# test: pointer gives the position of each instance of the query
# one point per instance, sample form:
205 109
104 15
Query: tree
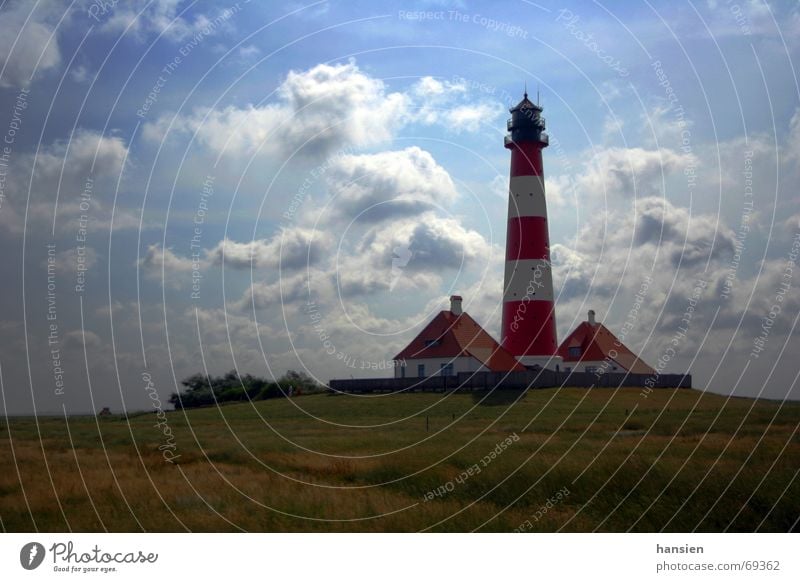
230 387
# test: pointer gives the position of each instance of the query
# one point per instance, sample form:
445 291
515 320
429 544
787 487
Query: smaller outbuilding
453 342
592 348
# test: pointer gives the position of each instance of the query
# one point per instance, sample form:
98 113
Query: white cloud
79 74
292 248
89 163
499 187
158 262
629 172
389 184
286 292
612 127
657 238
76 339
325 108
27 49
665 247
443 243
67 261
471 117
428 87
445 102
328 108
167 17
661 126
409 254
87 154
792 148
559 190
249 51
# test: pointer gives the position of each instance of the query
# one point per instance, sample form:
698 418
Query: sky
262 186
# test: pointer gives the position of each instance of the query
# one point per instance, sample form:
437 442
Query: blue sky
351 153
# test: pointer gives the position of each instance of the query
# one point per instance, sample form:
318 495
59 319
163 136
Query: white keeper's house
453 342
591 347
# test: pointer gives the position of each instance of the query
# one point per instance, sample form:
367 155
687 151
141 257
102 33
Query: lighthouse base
544 362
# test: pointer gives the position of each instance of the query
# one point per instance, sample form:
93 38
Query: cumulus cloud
470 117
446 102
428 87
158 261
560 191
629 172
389 211
661 126
87 154
286 291
389 184
694 239
89 163
792 149
324 109
653 255
611 177
28 45
656 238
79 74
339 104
442 243
163 17
410 254
76 339
67 261
289 250
292 248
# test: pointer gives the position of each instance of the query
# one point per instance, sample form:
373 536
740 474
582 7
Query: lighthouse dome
525 104
526 123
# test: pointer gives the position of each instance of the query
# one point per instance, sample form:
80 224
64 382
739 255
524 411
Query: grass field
678 460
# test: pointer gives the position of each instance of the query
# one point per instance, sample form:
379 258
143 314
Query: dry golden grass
684 460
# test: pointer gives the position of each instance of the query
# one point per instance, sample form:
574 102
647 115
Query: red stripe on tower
529 322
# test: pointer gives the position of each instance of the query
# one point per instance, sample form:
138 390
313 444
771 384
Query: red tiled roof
596 343
459 335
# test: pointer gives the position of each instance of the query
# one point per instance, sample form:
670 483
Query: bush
206 391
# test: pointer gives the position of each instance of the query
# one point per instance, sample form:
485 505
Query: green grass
678 460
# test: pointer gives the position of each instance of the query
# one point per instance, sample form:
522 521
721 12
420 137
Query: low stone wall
512 380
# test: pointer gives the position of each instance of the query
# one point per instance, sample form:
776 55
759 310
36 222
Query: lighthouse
529 322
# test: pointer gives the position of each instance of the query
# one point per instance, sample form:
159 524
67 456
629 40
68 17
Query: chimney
591 317
455 304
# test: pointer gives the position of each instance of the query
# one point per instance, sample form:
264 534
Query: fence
469 381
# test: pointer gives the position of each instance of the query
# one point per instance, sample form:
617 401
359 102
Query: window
575 352
591 369
402 371
446 369
431 342
421 370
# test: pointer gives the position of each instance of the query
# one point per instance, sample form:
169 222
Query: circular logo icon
31 555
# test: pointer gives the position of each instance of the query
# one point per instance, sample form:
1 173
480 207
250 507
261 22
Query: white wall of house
602 366
434 365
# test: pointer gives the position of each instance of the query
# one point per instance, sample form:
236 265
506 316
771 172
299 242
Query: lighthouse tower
529 322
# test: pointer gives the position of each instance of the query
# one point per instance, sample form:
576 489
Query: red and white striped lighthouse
529 322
